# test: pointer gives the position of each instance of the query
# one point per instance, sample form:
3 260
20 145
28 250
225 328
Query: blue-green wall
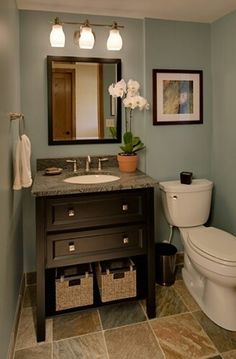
224 122
11 257
174 148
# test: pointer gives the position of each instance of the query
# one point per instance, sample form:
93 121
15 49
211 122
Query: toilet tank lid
215 242
195 186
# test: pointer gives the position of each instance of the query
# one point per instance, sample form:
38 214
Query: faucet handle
100 160
74 164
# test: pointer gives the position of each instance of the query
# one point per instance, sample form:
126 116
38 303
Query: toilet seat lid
214 242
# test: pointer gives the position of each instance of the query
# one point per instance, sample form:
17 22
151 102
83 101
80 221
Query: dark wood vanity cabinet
90 227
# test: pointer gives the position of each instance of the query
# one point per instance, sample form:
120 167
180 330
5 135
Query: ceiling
182 10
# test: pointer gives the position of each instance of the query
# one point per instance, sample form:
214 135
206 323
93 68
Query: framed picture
177 97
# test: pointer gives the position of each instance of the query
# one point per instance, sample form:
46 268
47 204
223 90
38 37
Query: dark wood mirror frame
70 59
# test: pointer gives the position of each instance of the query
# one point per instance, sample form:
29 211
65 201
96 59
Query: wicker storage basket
116 279
74 287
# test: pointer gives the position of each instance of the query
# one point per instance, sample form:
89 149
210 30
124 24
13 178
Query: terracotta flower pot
127 163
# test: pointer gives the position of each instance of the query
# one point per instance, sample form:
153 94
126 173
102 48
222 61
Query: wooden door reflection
63 103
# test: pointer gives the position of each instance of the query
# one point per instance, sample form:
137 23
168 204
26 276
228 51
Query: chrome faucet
74 164
88 161
100 160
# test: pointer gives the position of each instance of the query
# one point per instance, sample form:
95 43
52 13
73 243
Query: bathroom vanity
88 223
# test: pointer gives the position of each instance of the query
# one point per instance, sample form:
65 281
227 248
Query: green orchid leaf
131 144
139 147
136 140
127 148
128 137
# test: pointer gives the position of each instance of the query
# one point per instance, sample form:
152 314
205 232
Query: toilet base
216 301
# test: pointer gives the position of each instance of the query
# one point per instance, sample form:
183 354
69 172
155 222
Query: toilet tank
186 205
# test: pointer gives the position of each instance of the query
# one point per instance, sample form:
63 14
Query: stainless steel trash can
165 263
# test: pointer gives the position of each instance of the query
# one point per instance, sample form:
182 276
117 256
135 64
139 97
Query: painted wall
224 122
175 148
11 256
34 50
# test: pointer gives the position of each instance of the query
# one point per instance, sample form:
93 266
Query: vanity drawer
90 246
95 210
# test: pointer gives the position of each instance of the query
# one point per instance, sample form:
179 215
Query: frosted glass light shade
114 41
86 40
57 36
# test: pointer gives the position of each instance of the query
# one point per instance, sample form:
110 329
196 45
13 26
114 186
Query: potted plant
129 92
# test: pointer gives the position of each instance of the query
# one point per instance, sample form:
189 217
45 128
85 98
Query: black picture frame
177 97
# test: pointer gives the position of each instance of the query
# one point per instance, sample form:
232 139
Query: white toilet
209 253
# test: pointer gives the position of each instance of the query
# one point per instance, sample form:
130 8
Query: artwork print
177 97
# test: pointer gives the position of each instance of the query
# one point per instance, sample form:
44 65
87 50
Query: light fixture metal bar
89 23
85 36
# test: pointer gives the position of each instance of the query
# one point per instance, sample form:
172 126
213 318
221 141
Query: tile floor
122 331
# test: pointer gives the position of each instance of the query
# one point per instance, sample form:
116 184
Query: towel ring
18 116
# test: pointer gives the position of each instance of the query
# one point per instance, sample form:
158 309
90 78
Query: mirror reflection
80 108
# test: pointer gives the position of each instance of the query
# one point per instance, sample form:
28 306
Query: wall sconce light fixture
57 36
84 37
114 41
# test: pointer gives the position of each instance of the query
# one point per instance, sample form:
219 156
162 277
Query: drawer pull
71 213
125 240
71 247
125 207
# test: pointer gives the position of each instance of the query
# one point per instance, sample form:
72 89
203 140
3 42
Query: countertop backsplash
43 163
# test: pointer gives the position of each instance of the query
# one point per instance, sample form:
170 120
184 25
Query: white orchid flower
118 89
136 101
142 103
133 87
111 90
130 101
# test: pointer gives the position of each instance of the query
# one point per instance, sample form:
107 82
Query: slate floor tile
75 324
91 346
40 351
133 342
182 337
117 315
223 339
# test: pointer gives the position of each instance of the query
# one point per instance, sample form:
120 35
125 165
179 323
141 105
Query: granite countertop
45 185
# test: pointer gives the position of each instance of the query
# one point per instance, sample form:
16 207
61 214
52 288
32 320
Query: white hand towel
22 164
26 179
17 181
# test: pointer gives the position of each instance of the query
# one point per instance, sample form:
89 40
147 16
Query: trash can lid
165 249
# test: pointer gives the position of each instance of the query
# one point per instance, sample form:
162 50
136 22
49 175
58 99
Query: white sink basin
91 179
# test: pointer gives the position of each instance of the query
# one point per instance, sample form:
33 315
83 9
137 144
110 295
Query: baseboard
17 318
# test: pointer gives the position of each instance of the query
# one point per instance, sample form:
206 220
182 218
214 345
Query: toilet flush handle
175 197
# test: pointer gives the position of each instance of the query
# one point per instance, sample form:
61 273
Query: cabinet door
90 246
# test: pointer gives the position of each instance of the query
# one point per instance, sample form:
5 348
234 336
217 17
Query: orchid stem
126 119
130 118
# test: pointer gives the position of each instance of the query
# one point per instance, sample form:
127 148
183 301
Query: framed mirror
80 109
